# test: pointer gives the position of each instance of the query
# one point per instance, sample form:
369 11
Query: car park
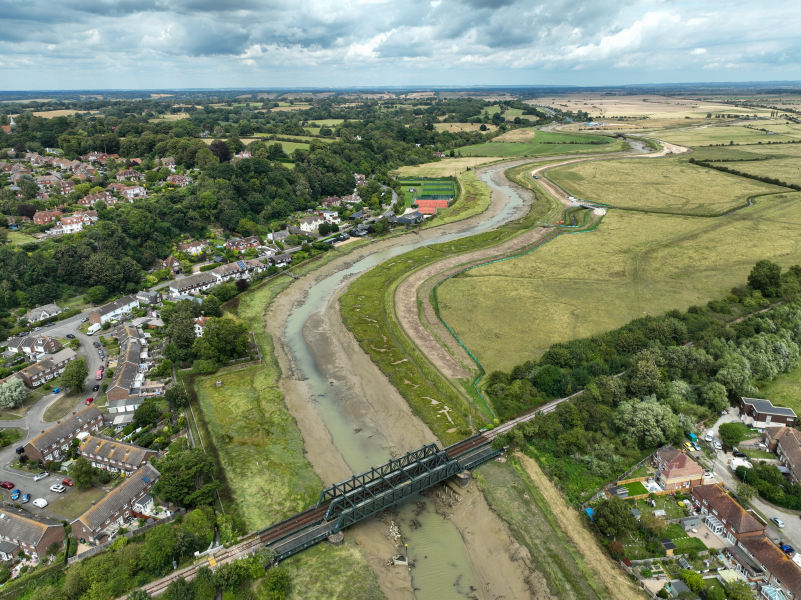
777 522
40 503
739 455
58 488
41 476
15 495
68 482
25 499
6 485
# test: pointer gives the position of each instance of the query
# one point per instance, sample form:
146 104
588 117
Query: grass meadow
724 134
543 143
785 390
665 185
787 170
633 264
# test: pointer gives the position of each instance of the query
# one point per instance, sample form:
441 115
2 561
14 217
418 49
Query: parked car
68 482
20 450
58 488
70 336
708 475
25 499
739 455
15 495
40 503
41 476
718 445
85 319
697 446
708 437
689 446
787 549
96 344
778 522
6 485
89 401
95 387
56 390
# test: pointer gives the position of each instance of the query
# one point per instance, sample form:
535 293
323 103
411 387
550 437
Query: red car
68 482
6 484
89 400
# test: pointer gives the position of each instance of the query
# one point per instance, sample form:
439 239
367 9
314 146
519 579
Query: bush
104 477
206 367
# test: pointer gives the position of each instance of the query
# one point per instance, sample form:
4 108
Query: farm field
633 264
446 167
724 134
787 170
544 143
298 138
51 114
457 127
777 150
665 185
289 147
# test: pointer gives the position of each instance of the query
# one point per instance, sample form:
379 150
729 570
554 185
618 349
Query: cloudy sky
104 44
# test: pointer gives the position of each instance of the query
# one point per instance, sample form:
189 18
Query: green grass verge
785 390
512 494
76 502
635 488
758 454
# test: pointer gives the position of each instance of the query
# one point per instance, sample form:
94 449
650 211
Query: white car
58 488
40 503
708 437
718 446
778 522
708 476
41 476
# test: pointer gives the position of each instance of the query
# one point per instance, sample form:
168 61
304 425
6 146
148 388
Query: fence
140 530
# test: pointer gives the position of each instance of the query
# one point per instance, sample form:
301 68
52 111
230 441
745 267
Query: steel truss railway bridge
365 494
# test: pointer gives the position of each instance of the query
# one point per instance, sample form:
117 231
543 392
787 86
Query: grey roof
66 429
146 499
23 526
117 304
109 449
193 280
125 376
96 516
668 544
679 586
766 406
63 354
8 547
36 313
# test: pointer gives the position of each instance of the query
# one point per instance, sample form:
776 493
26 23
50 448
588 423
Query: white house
42 312
200 323
113 310
310 224
331 217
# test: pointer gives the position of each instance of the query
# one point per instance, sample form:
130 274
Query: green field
725 134
632 264
787 170
17 237
474 200
289 147
785 390
666 185
545 143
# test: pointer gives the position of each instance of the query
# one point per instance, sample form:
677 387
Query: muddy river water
442 568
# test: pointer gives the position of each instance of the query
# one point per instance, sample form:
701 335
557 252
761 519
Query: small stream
442 569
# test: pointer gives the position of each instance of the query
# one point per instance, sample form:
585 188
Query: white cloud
699 51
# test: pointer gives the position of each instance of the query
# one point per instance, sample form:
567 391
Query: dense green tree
222 340
147 413
82 473
187 478
160 549
211 306
176 397
613 517
12 393
182 328
739 590
693 580
74 376
766 277
277 583
731 433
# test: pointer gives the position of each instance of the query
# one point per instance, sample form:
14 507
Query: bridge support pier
337 539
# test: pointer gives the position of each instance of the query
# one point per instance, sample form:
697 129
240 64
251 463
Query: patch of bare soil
611 576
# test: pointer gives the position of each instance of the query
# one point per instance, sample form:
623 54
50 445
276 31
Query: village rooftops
17 524
116 305
112 450
713 497
66 428
777 562
96 516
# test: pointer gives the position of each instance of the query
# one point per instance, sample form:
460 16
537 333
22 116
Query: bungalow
111 455
278 236
43 312
47 369
116 507
45 217
192 284
676 470
759 413
49 445
193 248
200 323
785 442
20 531
179 180
242 244
113 310
171 263
724 516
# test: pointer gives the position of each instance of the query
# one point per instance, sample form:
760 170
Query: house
129 387
20 531
352 199
759 413
113 310
242 244
75 222
38 346
45 217
116 507
179 180
111 455
243 154
144 504
193 248
129 174
106 197
168 161
150 297
280 260
330 202
785 442
43 312
241 269
360 179
49 445
310 224
171 263
192 284
278 236
410 218
779 570
331 217
47 369
676 470
359 214
200 323
134 191
439 155
724 516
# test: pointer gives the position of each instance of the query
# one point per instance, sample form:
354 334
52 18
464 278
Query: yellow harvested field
725 134
51 114
668 185
652 106
459 127
516 135
446 167
633 264
293 107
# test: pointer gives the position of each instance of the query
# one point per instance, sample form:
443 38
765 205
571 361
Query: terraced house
51 443
130 387
785 442
111 455
724 516
105 517
113 310
46 369
20 531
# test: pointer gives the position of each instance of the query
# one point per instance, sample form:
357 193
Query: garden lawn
758 454
75 502
640 472
635 488
667 503
684 543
